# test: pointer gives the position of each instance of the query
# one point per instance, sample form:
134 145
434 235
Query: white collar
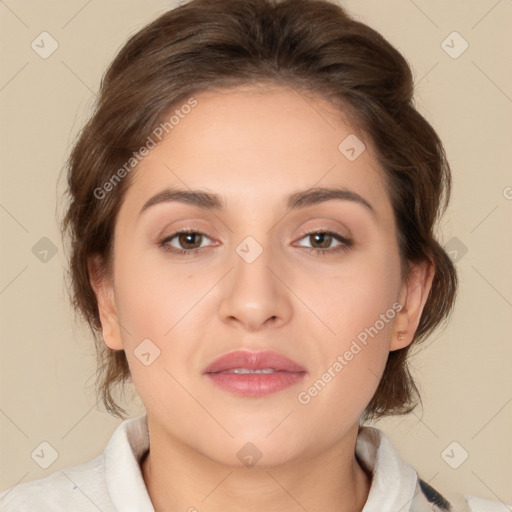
123 476
393 488
394 482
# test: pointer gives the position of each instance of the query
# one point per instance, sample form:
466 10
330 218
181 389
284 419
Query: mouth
254 373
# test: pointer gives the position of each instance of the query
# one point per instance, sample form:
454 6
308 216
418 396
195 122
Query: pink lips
285 372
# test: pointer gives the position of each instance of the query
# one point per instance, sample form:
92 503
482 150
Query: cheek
152 302
356 295
358 306
158 338
153 298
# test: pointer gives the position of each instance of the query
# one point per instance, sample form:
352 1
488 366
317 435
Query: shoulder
78 488
476 504
428 499
397 486
110 482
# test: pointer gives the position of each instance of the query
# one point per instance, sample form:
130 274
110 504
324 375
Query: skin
254 146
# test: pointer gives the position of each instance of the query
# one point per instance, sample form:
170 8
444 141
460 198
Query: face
313 278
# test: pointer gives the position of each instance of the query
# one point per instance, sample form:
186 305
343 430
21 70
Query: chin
254 455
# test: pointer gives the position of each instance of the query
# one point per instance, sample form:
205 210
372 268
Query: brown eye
185 242
189 240
321 242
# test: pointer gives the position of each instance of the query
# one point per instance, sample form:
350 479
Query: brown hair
310 45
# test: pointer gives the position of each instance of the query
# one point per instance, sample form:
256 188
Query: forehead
256 142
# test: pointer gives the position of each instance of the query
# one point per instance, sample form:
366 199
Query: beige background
47 361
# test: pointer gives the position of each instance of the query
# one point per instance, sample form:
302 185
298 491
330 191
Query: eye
322 240
190 242
189 239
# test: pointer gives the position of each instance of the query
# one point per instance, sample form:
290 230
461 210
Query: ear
413 296
104 290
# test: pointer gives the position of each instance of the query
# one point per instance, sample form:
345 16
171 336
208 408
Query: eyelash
345 245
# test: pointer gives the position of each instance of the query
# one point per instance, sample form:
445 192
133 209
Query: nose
255 295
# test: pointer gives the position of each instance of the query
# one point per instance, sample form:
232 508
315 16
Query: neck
180 479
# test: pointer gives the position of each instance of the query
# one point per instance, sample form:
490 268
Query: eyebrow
301 199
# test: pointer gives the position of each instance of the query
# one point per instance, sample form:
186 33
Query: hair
313 46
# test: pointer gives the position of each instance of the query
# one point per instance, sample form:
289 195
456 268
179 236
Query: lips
242 359
254 374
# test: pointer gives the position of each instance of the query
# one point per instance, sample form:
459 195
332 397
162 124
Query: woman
251 218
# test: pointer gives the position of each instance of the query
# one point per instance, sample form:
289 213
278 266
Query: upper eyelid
302 235
343 243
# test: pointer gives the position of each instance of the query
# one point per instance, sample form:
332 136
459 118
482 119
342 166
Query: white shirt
113 481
